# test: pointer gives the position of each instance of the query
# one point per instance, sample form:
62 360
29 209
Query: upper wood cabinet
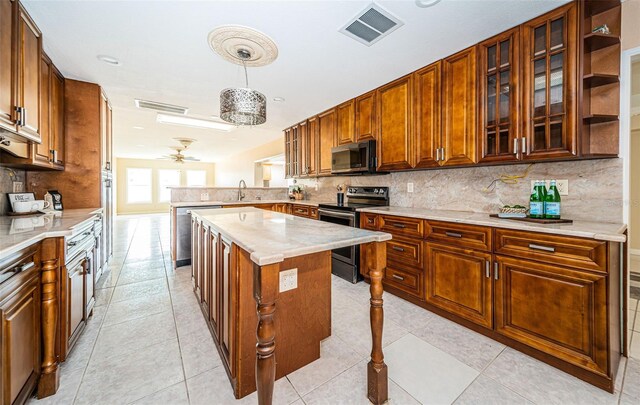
395 108
499 97
311 147
346 125
549 84
8 82
42 151
459 108
327 134
29 63
20 71
303 138
287 152
295 151
56 117
366 117
427 114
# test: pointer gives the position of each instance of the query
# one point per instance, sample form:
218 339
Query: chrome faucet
240 193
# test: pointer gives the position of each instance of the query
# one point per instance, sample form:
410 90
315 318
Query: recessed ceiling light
279 99
138 127
193 122
426 3
109 60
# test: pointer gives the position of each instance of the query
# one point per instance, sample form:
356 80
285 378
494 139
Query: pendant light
241 105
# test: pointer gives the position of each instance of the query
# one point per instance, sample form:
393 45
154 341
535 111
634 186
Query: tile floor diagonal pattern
147 343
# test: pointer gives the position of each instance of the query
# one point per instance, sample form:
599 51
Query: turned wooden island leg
49 377
377 381
265 292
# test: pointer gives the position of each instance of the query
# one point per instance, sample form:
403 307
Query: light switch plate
204 196
409 187
17 186
288 280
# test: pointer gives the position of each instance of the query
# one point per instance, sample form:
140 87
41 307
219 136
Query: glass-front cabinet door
499 62
549 69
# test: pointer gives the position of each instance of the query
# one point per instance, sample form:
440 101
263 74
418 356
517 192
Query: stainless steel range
346 261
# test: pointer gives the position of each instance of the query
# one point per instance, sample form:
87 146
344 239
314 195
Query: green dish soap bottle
536 201
552 202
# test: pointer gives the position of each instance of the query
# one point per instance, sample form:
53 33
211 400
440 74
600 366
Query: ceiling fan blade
191 159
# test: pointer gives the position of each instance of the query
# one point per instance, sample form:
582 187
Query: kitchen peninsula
240 252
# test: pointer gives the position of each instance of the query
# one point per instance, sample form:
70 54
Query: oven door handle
336 214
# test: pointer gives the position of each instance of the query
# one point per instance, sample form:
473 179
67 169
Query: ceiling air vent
162 107
371 25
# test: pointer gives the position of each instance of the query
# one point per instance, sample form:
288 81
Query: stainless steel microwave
354 158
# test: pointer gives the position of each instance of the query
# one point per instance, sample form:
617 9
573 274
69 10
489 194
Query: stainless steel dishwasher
183 233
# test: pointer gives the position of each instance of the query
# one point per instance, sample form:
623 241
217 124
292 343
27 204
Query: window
196 178
138 186
167 178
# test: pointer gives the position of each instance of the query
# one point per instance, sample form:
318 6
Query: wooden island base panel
262 333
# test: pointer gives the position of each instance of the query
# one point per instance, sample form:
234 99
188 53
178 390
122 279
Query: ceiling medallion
227 40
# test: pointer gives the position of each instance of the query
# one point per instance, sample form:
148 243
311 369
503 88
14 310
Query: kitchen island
246 254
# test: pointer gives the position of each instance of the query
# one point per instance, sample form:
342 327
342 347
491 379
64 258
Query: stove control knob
376 191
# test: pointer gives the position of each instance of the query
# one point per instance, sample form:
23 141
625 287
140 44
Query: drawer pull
370 220
402 226
397 248
453 234
72 243
540 247
397 277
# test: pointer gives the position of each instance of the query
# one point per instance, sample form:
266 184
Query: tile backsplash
595 188
6 186
187 194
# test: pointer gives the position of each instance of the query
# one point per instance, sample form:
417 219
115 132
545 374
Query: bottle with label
536 201
552 202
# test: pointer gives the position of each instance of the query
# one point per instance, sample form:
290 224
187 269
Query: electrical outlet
561 185
17 186
204 196
288 280
409 187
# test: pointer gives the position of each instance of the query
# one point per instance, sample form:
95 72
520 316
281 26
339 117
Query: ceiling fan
178 157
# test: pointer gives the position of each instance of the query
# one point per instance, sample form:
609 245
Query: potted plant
298 192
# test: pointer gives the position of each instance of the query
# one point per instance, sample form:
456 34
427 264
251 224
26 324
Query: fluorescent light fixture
193 122
110 60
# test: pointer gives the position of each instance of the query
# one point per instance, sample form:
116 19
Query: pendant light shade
243 106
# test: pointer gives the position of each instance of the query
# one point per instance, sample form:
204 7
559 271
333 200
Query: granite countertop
270 237
585 229
19 232
206 203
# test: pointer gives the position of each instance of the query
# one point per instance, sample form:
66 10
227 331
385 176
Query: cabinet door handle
515 146
19 115
453 234
108 165
524 145
401 226
397 277
540 247
397 248
442 154
495 273
487 269
437 154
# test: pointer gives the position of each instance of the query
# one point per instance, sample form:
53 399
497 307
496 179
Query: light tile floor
147 343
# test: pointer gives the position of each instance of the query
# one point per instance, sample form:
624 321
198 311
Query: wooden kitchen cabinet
549 103
29 45
213 248
42 151
557 310
366 117
499 102
72 311
19 335
295 151
227 321
427 115
287 153
345 123
195 265
56 118
459 105
303 148
459 281
395 109
207 273
8 72
327 133
311 146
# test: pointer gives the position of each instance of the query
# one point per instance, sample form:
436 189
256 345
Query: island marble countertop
226 203
593 230
20 232
270 237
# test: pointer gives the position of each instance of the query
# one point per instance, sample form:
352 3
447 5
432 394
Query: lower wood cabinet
73 308
556 310
207 273
459 281
19 336
213 249
226 305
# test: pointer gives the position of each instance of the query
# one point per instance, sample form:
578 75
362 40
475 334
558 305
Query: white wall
230 171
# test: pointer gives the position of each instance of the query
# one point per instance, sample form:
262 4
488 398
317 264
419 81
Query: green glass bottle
552 202
536 201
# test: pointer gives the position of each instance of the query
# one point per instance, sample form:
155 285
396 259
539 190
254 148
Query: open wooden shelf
599 79
599 118
595 41
599 6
